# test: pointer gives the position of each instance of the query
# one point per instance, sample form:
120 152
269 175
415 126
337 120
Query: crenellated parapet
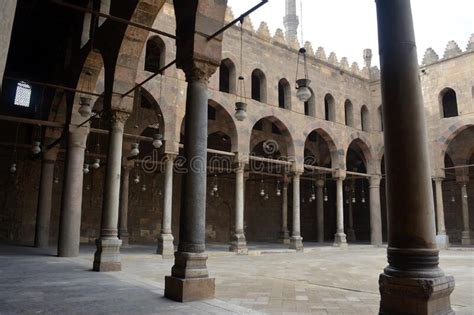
430 57
263 31
452 50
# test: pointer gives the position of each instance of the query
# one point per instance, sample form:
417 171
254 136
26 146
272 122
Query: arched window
23 94
381 117
259 86
284 94
449 103
329 108
227 77
348 108
155 54
364 118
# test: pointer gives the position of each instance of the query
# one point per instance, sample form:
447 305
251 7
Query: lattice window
23 94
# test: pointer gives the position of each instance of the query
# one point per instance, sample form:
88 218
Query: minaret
291 21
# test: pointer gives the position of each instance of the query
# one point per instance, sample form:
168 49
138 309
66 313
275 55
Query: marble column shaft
340 236
71 204
320 209
412 283
239 244
296 241
166 239
45 197
107 256
284 233
123 210
466 233
375 211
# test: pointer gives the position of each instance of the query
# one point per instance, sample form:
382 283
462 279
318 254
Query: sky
347 27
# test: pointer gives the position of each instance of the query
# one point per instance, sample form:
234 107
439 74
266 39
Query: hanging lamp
303 91
240 105
13 167
325 193
157 140
36 147
278 188
363 194
135 151
262 189
86 169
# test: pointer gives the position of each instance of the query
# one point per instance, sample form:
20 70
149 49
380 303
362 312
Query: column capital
320 183
374 180
199 71
78 136
119 117
339 173
438 179
239 167
170 156
462 180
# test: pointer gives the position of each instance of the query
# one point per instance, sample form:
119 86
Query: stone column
284 233
239 244
350 229
320 209
123 207
189 278
71 205
107 255
442 239
412 283
296 241
165 240
43 216
7 15
340 236
375 211
466 233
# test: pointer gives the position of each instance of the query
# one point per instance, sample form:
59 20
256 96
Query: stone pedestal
466 238
415 296
107 255
239 244
165 246
284 237
296 242
340 240
443 241
189 280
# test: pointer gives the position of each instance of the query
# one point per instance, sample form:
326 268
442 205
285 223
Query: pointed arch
349 113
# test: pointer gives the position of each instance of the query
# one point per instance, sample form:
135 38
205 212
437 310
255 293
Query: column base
466 238
123 236
187 290
296 242
340 240
107 256
284 237
415 295
165 246
189 280
351 236
443 241
239 244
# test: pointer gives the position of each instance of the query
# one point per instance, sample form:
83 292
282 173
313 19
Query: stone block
296 242
442 241
421 296
165 246
188 290
107 256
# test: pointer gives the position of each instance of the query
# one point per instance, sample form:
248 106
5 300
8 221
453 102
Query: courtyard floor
322 280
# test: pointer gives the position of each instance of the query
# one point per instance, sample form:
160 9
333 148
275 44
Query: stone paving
322 280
